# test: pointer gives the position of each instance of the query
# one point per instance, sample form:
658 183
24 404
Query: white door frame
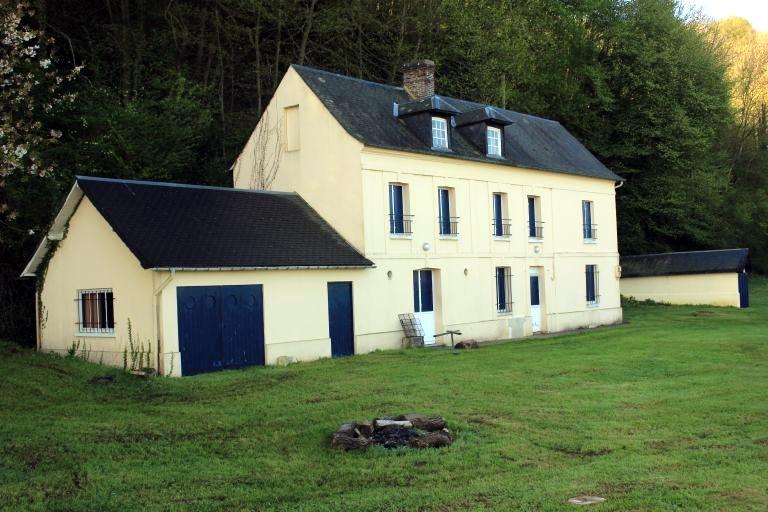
535 309
426 318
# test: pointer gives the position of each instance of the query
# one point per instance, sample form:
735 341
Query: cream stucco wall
93 256
325 168
720 289
295 310
467 301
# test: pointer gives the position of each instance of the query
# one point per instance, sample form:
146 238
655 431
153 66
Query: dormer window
493 140
439 133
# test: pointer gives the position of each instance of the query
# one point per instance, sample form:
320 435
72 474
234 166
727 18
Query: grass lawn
666 412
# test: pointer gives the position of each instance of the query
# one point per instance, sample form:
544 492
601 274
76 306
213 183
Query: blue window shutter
586 214
532 217
497 227
445 211
396 224
590 274
501 292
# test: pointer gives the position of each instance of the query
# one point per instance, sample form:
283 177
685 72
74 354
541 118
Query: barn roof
366 111
169 225
693 262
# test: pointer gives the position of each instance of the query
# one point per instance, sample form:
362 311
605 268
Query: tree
32 90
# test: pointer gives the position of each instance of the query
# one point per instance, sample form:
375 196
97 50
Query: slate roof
694 262
366 111
168 225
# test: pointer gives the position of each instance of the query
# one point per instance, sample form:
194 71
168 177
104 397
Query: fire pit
413 430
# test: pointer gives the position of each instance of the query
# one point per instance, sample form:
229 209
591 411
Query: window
95 311
535 226
589 229
503 290
399 223
493 141
501 226
439 133
291 120
593 295
448 225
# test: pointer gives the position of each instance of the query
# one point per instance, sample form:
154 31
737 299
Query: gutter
158 318
228 269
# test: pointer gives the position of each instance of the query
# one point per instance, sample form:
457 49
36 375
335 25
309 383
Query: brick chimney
419 79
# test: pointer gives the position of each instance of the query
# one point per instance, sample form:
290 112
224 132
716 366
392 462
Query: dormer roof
490 115
364 110
434 104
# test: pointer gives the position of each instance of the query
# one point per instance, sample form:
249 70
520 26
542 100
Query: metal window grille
448 225
400 224
493 136
501 227
95 311
439 133
593 284
590 231
503 289
535 229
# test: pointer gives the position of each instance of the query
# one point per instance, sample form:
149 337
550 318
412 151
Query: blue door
341 328
743 291
220 327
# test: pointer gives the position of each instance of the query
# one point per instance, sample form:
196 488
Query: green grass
666 412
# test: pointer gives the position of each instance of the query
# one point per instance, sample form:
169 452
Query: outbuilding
190 279
717 277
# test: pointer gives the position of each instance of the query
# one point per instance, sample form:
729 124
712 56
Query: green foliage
665 412
136 356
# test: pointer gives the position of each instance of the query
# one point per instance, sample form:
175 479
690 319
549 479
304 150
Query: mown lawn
667 412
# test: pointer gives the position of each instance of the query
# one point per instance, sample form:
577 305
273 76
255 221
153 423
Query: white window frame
493 144
439 133
95 331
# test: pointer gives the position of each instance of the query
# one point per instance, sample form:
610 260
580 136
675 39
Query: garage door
220 327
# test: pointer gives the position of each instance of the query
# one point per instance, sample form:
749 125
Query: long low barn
717 278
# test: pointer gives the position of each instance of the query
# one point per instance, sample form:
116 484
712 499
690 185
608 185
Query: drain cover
585 500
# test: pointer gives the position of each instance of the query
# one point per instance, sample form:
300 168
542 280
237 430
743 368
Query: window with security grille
592 281
95 311
503 290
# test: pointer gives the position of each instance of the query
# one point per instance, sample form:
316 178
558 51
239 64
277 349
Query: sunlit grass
665 412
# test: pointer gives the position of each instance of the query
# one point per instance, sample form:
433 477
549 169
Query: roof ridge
346 77
685 252
170 184
399 88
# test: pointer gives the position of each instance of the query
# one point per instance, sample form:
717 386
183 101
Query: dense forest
170 89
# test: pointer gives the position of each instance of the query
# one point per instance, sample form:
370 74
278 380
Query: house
382 200
717 278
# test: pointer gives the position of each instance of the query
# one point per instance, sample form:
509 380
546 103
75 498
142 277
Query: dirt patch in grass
52 367
703 313
579 452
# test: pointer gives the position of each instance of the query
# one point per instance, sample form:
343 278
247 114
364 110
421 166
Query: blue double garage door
220 327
